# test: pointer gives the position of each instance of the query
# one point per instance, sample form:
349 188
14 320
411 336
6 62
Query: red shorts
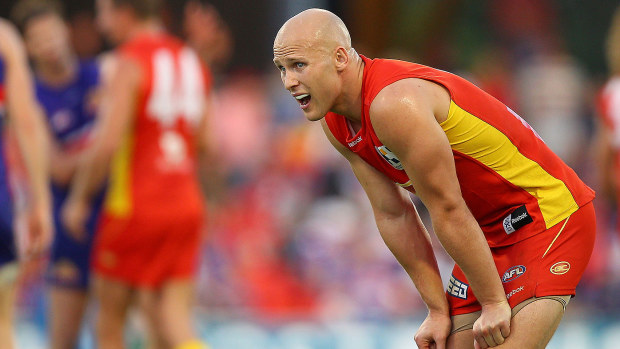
547 264
149 252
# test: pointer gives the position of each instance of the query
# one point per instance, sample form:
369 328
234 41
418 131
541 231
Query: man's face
309 74
47 39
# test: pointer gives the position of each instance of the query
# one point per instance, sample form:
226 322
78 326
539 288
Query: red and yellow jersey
512 183
153 174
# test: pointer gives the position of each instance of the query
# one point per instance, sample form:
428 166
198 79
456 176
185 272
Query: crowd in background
290 232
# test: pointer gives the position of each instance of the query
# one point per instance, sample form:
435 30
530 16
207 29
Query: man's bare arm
114 120
400 227
604 154
404 118
27 122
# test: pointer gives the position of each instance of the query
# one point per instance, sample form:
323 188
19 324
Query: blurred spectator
85 37
551 90
608 160
208 34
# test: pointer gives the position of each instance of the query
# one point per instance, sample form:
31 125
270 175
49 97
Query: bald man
518 222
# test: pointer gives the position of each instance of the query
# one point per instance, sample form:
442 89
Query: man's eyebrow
282 60
289 59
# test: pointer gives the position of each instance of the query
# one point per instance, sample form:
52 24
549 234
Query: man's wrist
438 310
494 303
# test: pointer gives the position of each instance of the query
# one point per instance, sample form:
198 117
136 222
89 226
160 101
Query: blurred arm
26 117
605 154
62 164
113 122
209 174
33 223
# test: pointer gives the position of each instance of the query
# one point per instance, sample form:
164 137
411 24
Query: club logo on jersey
61 120
388 156
513 273
560 268
517 219
457 288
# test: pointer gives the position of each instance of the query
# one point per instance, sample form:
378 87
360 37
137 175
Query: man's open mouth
303 99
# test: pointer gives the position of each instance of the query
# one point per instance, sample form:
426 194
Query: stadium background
292 256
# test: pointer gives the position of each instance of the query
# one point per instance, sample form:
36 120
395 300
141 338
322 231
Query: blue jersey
70 111
7 246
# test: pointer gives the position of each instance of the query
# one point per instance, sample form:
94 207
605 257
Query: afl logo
513 273
560 268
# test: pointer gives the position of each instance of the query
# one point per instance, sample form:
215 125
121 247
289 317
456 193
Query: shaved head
316 28
317 64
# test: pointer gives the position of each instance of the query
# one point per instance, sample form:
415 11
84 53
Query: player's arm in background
403 116
208 170
33 222
404 234
605 156
114 120
62 163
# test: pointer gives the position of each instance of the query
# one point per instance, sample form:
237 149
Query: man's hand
34 229
434 331
74 215
493 325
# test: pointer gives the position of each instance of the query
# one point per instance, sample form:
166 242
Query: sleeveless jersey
152 175
512 183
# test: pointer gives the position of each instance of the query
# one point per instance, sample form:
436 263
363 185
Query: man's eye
281 68
299 65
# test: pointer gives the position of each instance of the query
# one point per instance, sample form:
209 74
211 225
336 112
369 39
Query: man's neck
145 27
350 102
58 74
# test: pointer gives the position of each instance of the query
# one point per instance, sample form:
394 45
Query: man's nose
290 81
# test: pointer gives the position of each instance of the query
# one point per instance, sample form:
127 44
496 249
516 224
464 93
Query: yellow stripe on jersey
405 185
118 195
473 137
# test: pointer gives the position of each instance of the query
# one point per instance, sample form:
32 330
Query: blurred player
499 199
207 34
66 90
608 138
151 122
19 113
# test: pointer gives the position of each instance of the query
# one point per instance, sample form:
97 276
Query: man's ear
341 58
